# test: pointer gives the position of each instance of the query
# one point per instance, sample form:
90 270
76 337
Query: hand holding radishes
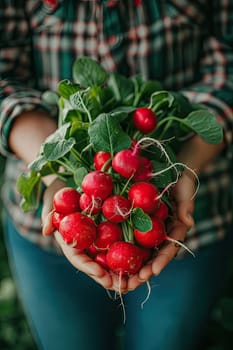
77 257
84 263
184 206
79 232
110 146
197 154
168 251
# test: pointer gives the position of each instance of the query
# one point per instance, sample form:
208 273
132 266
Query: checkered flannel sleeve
16 72
215 86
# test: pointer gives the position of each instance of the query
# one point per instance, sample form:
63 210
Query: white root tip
148 294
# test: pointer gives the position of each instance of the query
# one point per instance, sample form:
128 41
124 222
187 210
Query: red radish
100 258
146 254
78 230
107 234
100 159
124 258
66 200
126 163
116 208
145 172
156 236
90 205
144 195
56 218
97 184
92 250
144 119
162 211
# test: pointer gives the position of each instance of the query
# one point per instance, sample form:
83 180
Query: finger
169 250
184 212
48 197
48 227
136 280
146 272
85 264
80 260
105 281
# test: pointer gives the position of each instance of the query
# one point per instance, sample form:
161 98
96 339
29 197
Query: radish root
177 173
180 244
148 141
148 294
121 298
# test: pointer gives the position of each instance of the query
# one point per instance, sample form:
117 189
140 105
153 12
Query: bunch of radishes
98 217
115 147
108 235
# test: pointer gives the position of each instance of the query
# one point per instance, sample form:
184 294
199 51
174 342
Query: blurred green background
15 332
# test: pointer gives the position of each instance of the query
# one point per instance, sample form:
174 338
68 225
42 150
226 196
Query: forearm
28 132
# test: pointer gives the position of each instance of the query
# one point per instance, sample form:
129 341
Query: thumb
47 225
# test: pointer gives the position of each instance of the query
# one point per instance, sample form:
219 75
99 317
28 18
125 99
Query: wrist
28 132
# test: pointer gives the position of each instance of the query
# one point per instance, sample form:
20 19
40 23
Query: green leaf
71 115
77 101
206 125
144 89
149 87
66 88
107 135
122 112
78 125
38 163
122 87
107 99
29 186
79 175
88 72
161 100
58 135
141 221
87 101
55 150
81 137
183 105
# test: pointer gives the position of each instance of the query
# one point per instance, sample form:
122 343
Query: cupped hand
87 265
183 195
76 257
184 203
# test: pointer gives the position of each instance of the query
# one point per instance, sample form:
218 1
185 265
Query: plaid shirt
187 45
